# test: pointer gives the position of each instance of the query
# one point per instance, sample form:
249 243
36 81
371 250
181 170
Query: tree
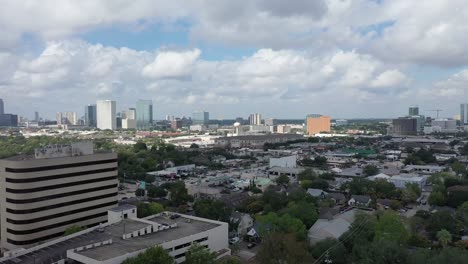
194 146
198 254
410 193
273 201
306 184
385 189
281 248
416 240
390 227
385 252
72 229
441 220
304 211
336 250
140 192
361 186
140 146
272 223
147 209
156 192
370 170
154 255
436 198
319 184
444 237
212 209
307 174
178 193
282 179
462 214
395 204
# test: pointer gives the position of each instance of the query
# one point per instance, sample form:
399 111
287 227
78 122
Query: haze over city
285 59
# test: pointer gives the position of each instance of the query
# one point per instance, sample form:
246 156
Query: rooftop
119 246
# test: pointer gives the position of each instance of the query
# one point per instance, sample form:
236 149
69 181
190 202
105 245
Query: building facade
60 186
90 115
2 107
413 110
317 124
129 119
464 114
200 118
405 126
106 114
144 114
255 119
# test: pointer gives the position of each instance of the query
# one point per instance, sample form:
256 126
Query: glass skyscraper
144 114
90 115
464 114
200 118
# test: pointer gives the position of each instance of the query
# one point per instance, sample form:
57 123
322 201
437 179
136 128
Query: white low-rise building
284 162
401 180
126 236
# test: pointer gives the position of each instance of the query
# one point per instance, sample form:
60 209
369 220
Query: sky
283 59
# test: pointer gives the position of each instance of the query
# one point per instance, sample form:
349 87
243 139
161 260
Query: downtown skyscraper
144 114
90 117
106 114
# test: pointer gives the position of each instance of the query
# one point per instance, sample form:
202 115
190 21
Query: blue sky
354 58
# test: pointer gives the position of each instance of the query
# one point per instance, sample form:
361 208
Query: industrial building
59 186
254 141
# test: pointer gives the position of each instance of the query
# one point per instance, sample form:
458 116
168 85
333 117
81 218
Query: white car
233 240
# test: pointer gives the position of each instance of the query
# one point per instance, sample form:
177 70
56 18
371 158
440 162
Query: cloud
172 65
389 78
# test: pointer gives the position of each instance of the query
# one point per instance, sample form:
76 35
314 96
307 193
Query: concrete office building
59 117
90 115
129 119
106 114
36 116
255 119
200 118
71 118
341 122
413 110
176 124
125 236
317 124
60 186
464 114
405 126
271 122
7 120
144 114
442 126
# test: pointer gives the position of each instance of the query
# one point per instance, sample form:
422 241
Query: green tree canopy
390 227
285 223
280 248
444 237
154 255
282 179
198 254
304 211
212 209
147 209
370 170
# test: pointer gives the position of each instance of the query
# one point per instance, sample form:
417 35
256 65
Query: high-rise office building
200 118
71 118
464 114
106 115
59 117
129 119
271 122
317 124
90 115
413 110
255 119
144 114
60 186
36 116
2 107
405 126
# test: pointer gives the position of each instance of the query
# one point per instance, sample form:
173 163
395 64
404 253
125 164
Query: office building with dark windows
59 186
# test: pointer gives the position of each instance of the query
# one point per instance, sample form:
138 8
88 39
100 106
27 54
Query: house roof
316 192
361 198
337 196
331 229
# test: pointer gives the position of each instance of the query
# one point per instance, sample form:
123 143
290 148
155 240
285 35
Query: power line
357 230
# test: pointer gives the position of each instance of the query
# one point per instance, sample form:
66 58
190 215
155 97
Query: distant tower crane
436 110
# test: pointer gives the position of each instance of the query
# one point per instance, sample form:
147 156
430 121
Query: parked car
233 240
251 245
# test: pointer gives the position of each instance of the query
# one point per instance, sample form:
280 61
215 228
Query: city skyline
184 56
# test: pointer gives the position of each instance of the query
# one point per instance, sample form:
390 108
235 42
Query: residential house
317 193
360 200
244 222
338 198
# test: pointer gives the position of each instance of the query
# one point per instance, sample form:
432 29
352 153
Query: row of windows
61 166
40 239
183 254
44 218
59 176
45 228
53 206
60 195
58 186
190 243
